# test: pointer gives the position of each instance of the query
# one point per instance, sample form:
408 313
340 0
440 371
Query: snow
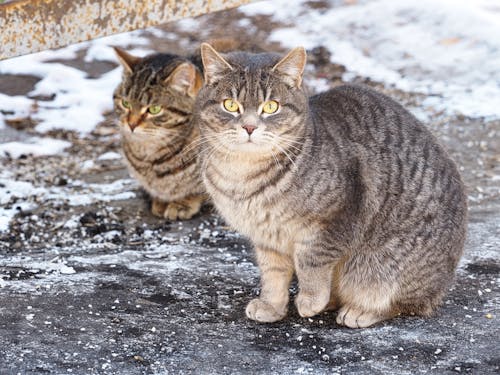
79 102
54 265
77 193
109 156
143 261
420 46
18 190
14 107
417 46
33 146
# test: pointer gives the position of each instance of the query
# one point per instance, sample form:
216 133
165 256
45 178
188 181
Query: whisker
197 143
287 155
209 156
201 141
276 161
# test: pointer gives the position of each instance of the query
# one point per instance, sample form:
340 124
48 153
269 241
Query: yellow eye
270 106
125 104
231 105
154 109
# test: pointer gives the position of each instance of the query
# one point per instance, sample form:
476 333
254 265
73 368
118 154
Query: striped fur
160 149
346 190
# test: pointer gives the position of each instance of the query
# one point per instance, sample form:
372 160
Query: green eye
154 109
125 104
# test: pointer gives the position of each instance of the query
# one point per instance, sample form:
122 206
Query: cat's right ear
186 79
214 65
127 60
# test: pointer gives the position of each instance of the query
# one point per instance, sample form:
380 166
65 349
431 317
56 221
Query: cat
154 104
346 189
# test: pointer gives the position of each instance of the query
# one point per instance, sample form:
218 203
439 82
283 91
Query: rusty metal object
28 26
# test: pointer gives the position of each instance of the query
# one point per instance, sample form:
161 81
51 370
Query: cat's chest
142 148
268 224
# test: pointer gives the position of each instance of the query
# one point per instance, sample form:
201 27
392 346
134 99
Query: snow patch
76 193
415 45
33 146
79 103
109 156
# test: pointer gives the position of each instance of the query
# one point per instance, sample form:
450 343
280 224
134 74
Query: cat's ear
292 66
185 78
127 60
214 64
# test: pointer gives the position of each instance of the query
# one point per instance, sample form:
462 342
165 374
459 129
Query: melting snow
76 193
444 49
33 146
79 101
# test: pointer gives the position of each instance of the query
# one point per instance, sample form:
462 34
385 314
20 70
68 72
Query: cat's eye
271 106
125 104
230 105
154 109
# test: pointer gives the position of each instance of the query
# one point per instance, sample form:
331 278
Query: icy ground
91 283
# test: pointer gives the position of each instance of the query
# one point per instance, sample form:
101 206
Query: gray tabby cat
154 103
346 189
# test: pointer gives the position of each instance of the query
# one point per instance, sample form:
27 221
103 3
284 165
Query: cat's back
401 167
364 121
365 115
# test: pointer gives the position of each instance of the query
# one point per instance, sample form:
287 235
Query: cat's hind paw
263 312
354 318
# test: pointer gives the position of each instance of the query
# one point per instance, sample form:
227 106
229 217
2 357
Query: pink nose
249 128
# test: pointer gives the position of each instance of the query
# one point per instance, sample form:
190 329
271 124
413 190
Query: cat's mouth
249 146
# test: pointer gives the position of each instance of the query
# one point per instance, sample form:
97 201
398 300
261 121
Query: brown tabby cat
154 102
346 189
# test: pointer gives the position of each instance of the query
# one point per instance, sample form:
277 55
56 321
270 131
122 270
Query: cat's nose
133 120
249 128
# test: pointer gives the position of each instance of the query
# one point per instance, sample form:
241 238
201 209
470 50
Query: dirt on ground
103 287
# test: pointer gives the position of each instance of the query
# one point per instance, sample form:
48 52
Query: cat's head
156 94
252 103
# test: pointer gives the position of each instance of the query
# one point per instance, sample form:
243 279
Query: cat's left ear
127 60
292 66
214 64
185 78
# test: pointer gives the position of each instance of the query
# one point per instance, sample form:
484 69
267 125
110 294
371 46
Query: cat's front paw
354 318
310 305
158 207
178 211
263 312
184 209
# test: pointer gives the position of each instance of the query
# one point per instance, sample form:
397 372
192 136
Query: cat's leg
315 275
185 208
276 274
367 287
334 303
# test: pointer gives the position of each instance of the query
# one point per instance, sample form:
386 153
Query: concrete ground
103 287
